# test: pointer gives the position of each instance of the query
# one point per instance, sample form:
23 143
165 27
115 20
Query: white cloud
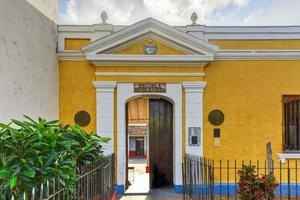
178 12
175 12
280 12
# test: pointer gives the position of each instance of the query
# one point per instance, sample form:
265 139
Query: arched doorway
149 121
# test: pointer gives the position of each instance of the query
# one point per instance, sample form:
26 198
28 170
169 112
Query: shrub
253 187
32 152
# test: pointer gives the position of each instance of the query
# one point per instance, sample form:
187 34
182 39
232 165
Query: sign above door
150 87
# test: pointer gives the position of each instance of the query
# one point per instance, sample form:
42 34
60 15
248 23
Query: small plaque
194 136
150 87
216 117
82 118
217 132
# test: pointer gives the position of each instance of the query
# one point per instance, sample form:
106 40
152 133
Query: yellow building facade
241 73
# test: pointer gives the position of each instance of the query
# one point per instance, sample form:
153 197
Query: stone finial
104 17
194 18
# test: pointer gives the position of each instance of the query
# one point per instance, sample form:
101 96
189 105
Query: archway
149 121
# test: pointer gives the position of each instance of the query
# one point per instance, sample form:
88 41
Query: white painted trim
194 87
71 55
284 156
137 124
153 37
149 74
258 55
105 86
174 94
150 25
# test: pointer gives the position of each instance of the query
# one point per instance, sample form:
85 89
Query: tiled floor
139 179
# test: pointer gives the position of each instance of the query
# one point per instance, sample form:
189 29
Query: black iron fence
208 179
96 182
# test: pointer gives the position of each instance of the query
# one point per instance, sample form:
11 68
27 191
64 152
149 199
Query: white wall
48 7
28 62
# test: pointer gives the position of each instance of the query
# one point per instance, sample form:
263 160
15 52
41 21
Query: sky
178 12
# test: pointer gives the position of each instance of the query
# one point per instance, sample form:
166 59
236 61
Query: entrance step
155 194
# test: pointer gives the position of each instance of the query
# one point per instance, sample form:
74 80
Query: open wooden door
161 143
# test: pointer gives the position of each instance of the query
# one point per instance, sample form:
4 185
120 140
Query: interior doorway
149 144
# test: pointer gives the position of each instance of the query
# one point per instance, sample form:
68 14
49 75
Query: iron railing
208 179
96 182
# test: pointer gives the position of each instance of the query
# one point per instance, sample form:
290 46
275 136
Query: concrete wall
28 62
48 7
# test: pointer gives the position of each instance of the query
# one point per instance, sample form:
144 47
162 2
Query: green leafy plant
253 187
32 152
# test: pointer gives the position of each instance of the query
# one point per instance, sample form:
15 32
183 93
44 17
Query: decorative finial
104 17
194 18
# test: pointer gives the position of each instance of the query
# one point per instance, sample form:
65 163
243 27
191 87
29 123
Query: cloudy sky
178 12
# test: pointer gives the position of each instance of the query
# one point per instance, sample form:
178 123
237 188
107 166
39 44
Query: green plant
32 152
253 187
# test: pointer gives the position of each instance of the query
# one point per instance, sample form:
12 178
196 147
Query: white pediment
198 50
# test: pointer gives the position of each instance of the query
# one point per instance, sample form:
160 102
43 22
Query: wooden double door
161 143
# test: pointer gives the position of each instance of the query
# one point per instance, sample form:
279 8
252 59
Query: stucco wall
28 62
48 7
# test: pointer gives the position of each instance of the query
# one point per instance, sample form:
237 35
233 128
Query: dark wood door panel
161 142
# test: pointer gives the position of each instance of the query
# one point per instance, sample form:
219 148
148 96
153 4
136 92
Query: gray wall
28 62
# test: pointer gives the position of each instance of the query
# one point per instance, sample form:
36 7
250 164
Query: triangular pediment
151 29
127 46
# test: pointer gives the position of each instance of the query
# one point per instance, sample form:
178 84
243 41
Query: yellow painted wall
257 44
137 48
75 43
76 91
250 94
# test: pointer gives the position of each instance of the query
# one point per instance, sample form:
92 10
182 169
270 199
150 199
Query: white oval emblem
150 49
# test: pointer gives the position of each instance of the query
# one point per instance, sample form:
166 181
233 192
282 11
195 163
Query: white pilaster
105 112
194 113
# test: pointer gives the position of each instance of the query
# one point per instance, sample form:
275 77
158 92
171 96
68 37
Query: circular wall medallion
82 118
216 117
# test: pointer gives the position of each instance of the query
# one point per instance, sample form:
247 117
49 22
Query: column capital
194 87
105 86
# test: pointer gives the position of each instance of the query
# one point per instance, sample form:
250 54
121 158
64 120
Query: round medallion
82 118
216 117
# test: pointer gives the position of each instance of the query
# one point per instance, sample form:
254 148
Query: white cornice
150 26
105 86
194 87
148 60
149 74
258 55
71 55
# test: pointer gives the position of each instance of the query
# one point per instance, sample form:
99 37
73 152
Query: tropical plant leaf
13 182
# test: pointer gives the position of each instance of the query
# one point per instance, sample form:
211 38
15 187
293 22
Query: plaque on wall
194 136
150 87
216 117
82 118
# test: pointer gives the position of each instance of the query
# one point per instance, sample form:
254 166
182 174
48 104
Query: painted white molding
147 60
284 156
105 112
71 55
105 86
146 26
173 93
152 36
194 86
258 55
194 113
221 55
149 74
137 124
